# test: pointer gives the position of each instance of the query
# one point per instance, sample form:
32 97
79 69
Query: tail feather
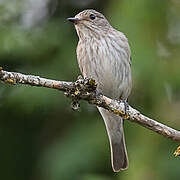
119 156
114 127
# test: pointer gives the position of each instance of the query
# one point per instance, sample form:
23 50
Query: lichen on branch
85 89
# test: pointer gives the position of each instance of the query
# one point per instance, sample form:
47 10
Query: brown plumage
103 54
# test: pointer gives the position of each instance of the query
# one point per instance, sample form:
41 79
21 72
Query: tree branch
85 89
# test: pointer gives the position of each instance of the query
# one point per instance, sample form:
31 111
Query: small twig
85 89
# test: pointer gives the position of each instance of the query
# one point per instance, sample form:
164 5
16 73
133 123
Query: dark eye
92 16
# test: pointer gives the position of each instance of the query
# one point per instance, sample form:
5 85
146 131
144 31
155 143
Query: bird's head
90 22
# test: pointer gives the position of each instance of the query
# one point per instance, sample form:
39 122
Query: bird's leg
98 93
126 108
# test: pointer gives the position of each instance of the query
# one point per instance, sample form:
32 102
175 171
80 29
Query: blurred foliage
41 137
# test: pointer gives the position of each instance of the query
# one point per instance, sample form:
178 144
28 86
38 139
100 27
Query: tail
114 127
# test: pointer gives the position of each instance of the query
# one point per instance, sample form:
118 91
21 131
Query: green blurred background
41 138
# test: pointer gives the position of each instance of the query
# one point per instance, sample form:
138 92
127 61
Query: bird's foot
126 108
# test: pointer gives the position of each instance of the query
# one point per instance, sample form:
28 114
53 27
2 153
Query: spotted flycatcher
103 54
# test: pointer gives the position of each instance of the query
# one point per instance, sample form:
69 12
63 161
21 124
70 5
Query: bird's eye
92 16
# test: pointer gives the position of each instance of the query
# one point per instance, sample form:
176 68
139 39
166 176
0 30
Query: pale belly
112 74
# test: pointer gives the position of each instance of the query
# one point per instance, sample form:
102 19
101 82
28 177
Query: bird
103 54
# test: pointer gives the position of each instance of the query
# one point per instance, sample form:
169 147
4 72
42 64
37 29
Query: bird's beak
73 19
